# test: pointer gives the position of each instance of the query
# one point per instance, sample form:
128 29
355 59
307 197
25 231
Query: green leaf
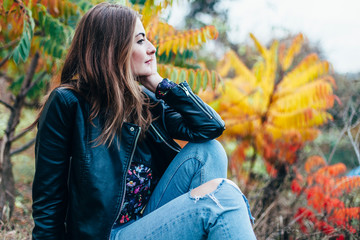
205 79
32 22
85 6
174 75
182 77
167 72
191 79
24 51
16 55
47 24
53 28
198 81
59 53
26 38
53 49
213 79
41 19
47 46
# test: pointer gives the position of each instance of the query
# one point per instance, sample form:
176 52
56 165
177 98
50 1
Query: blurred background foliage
277 176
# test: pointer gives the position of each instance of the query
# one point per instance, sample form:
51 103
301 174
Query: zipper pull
185 90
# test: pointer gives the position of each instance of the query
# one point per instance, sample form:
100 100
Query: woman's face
143 60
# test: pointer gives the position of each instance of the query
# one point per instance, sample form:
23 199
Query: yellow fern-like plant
274 105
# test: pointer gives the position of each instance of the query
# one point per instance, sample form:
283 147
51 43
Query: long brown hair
97 66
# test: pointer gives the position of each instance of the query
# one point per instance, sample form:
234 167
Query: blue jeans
173 213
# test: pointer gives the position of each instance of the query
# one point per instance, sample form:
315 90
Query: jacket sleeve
188 118
52 154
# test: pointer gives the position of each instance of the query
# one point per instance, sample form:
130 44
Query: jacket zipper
131 157
168 144
197 103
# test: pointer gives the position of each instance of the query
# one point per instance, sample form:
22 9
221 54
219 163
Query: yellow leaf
212 32
203 34
263 51
293 50
175 45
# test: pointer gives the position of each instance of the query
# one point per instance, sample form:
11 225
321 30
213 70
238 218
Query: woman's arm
52 153
188 118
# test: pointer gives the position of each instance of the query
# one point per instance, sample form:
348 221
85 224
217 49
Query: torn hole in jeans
211 195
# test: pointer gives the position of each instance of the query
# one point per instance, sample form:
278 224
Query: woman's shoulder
64 100
66 95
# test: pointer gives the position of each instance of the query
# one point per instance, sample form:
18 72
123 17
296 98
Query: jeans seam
252 219
195 157
202 176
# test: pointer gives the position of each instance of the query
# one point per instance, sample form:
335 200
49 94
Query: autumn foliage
274 107
326 190
271 108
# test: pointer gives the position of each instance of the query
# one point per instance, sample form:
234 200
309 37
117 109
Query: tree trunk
271 191
7 183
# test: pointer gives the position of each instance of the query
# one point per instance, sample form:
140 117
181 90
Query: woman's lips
148 61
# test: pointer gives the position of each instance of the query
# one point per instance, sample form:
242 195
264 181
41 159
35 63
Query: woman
106 163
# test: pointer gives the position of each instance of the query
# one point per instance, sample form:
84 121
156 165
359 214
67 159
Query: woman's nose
151 49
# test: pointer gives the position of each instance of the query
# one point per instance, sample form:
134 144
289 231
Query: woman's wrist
163 88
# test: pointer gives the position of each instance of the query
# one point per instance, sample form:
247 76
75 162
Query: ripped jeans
173 212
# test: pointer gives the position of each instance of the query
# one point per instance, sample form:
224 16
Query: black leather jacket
78 188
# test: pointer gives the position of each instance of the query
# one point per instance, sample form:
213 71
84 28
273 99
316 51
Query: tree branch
20 98
29 75
335 146
21 134
10 44
6 105
34 83
354 145
23 148
4 60
357 135
346 126
265 213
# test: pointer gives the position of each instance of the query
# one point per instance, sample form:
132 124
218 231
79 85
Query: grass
21 224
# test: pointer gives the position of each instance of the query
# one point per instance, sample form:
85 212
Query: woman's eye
140 41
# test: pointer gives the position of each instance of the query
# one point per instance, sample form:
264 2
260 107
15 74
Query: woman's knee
212 150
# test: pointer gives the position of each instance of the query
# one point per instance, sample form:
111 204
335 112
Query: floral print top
139 179
139 187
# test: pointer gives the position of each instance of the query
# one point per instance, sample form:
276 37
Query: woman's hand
151 81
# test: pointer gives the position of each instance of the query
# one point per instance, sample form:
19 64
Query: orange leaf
314 161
